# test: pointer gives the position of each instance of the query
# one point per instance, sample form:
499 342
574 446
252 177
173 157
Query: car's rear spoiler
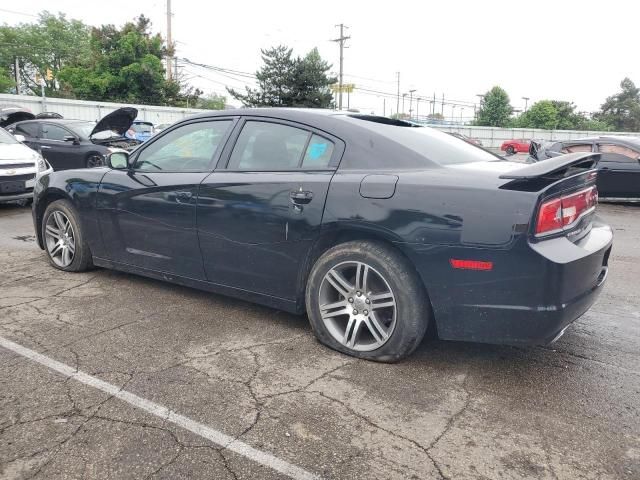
556 165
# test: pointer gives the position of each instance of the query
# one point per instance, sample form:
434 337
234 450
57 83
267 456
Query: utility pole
16 66
411 102
398 97
417 108
403 95
169 42
526 102
384 107
341 41
442 109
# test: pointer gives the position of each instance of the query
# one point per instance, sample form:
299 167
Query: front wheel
63 238
365 299
510 150
95 160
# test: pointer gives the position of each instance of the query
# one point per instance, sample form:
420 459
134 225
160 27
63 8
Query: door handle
604 168
301 197
45 147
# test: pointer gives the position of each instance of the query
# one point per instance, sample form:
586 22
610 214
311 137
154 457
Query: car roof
628 140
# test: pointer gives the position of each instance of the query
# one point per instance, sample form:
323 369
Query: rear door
618 171
148 213
259 215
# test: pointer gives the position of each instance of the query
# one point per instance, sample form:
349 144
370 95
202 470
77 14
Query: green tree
285 81
622 110
495 108
46 46
5 81
542 114
124 65
212 101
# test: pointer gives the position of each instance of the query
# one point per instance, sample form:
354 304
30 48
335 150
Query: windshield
432 144
142 127
83 129
6 137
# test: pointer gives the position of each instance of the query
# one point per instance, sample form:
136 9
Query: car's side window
28 130
618 153
268 146
189 147
54 132
318 153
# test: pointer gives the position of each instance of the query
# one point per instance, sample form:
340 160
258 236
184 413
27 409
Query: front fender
80 187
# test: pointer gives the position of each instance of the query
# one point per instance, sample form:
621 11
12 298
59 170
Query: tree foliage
495 108
211 102
287 81
557 115
622 110
124 65
46 46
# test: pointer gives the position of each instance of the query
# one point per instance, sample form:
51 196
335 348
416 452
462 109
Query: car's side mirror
118 160
20 138
71 138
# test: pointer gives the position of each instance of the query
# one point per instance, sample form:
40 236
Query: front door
60 153
148 213
259 216
618 171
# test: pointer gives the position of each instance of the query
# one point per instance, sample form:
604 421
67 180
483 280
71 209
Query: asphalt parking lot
185 384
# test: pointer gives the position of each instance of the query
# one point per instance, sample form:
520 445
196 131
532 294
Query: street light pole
526 102
403 95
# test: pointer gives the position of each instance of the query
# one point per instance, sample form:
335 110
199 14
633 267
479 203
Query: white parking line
219 438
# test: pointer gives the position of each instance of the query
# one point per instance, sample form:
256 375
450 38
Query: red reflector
559 213
471 264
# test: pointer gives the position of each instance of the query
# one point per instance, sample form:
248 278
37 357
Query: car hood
16 153
118 121
10 115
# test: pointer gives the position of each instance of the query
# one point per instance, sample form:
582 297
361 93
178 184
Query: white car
19 168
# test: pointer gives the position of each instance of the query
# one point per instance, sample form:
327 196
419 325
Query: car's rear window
430 143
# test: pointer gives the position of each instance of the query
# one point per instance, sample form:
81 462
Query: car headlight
41 164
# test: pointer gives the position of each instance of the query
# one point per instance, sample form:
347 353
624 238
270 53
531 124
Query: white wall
492 137
83 110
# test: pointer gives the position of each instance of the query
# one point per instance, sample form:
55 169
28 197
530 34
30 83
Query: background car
141 131
618 166
515 146
69 144
10 114
374 227
19 167
473 141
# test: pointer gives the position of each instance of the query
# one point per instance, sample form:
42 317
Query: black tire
510 150
82 256
94 160
412 304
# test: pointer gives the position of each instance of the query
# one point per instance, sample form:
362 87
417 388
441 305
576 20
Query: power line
19 13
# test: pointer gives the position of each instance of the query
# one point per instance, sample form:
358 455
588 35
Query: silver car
19 168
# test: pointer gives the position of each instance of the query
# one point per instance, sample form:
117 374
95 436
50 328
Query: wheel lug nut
358 293
366 312
355 312
367 301
350 299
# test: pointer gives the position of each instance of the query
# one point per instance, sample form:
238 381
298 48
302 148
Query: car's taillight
561 213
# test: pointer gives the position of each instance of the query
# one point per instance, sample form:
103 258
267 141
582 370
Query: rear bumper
534 292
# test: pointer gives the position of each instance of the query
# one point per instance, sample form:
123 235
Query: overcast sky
567 50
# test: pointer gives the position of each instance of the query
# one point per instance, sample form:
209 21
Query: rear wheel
510 150
365 299
94 160
63 239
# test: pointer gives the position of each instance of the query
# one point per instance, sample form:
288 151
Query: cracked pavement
452 411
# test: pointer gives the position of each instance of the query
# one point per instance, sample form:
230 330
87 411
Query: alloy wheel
60 239
95 161
357 306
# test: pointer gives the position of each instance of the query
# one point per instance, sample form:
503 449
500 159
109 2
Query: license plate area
12 187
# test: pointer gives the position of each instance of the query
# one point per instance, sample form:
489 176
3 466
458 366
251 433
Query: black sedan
373 227
67 144
618 167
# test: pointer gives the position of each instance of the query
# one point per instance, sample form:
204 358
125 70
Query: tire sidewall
412 313
79 261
